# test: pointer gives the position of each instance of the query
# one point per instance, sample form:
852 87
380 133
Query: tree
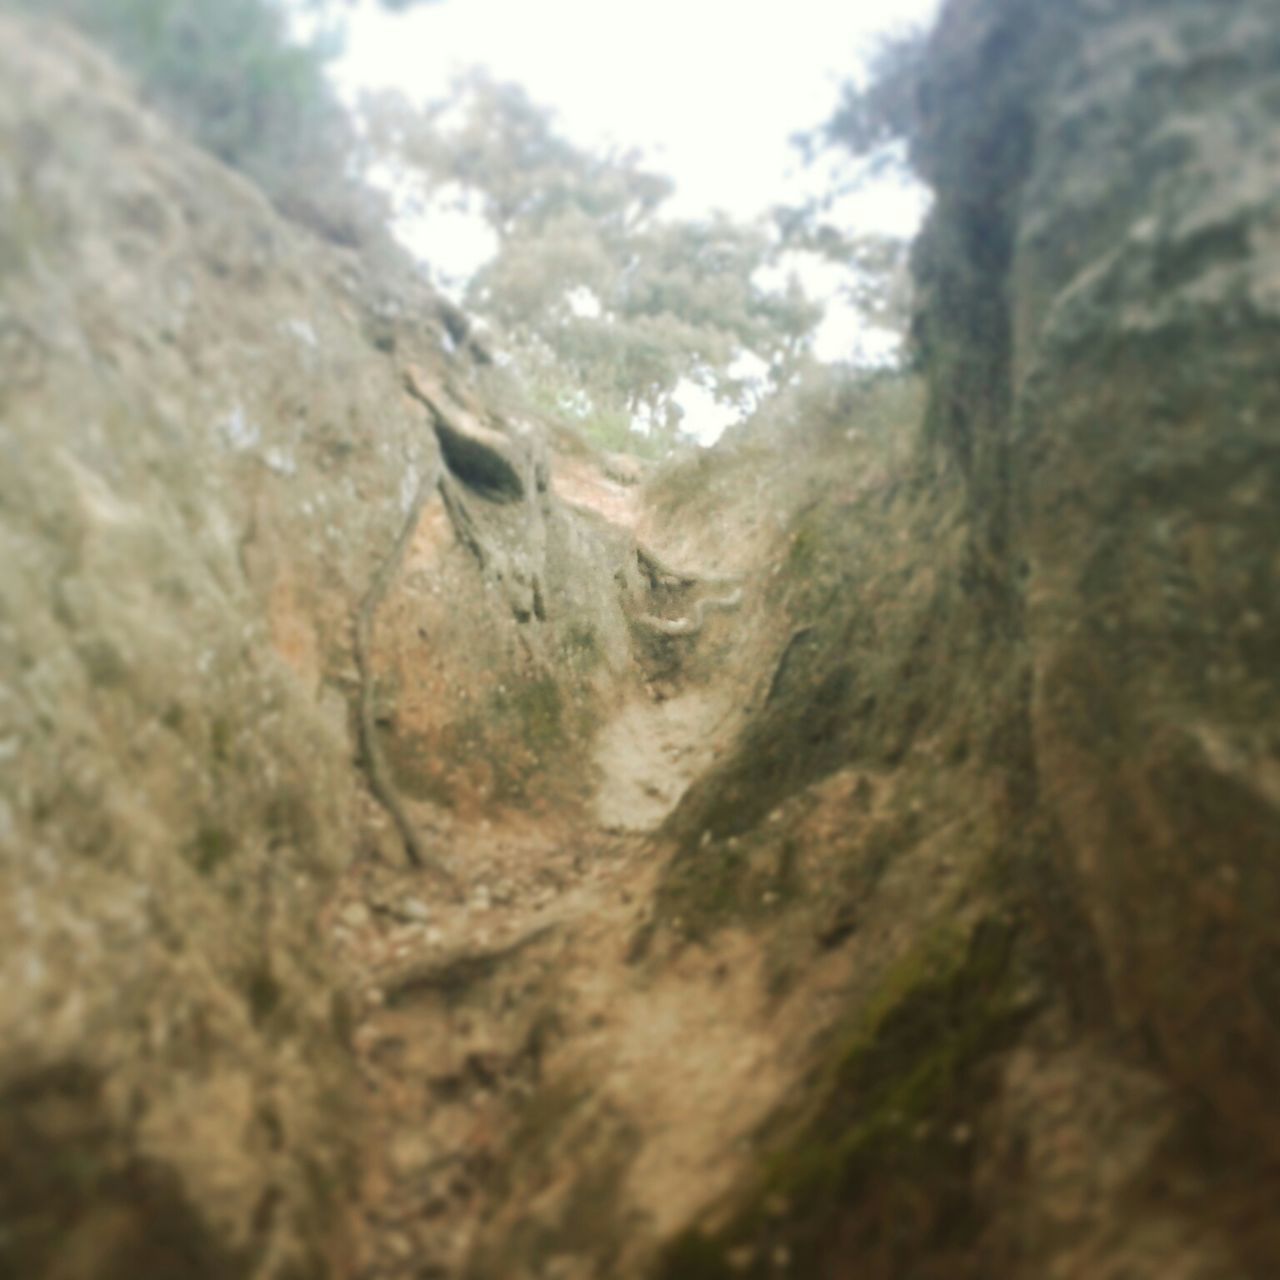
231 75
877 108
592 289
863 146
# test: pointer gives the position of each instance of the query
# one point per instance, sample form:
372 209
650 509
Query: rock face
1071 664
1149 522
1123 173
218 457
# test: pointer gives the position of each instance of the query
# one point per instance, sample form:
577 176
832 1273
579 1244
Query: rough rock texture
214 436
1123 176
1075 688
957 959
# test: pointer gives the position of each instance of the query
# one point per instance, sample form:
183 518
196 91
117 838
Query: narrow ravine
476 1023
862 839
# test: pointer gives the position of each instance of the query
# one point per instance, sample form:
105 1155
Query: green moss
211 847
582 648
805 549
696 1257
878 1166
290 818
539 711
727 882
519 733
220 740
704 889
263 993
103 663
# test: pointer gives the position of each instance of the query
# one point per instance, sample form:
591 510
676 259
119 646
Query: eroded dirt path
651 751
524 1073
464 1013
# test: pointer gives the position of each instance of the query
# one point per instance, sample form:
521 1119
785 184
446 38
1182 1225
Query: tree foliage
226 69
863 144
591 285
231 75
877 109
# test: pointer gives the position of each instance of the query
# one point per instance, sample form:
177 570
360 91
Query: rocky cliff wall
1122 459
261 546
1046 669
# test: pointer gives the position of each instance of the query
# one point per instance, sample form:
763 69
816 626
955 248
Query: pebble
481 900
355 915
399 1245
415 909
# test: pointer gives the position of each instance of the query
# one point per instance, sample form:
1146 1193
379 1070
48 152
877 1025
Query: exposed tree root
661 575
693 622
659 572
464 526
371 750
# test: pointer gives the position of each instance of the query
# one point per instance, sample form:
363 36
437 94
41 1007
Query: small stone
782 1256
355 915
410 1152
481 899
399 1245
415 909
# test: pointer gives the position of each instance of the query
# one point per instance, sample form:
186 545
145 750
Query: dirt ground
516 1029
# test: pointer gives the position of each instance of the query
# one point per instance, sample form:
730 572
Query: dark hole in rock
481 468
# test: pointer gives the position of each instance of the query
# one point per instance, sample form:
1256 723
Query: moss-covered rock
876 1167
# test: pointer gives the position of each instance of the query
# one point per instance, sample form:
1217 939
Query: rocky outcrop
1122 464
248 566
1046 669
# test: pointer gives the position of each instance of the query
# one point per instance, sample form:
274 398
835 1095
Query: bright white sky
711 90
